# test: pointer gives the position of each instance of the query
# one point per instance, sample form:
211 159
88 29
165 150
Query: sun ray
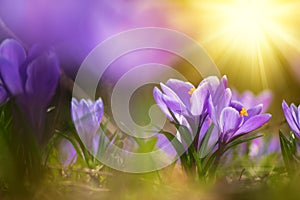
252 38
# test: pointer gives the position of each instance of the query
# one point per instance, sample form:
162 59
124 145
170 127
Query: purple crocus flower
86 116
231 117
235 120
183 99
249 100
187 103
292 115
191 106
31 79
67 154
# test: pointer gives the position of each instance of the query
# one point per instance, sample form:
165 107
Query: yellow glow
251 37
247 19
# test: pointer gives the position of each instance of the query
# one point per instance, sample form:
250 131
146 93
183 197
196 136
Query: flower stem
217 159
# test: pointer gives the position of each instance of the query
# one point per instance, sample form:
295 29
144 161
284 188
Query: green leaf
293 143
204 143
102 146
173 116
8 171
47 150
73 142
288 151
174 141
239 141
209 162
185 135
105 126
146 145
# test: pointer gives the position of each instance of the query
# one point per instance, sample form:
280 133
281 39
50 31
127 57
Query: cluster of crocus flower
210 103
30 79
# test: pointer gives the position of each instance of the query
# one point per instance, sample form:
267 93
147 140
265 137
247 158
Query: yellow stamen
192 90
243 112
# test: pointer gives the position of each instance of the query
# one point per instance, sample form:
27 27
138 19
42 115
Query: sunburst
252 38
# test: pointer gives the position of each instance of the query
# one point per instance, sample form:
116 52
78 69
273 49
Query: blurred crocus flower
67 154
75 28
249 100
86 116
30 78
262 147
292 115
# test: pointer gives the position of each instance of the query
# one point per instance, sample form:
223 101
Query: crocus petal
235 95
229 120
181 88
236 104
298 114
42 77
172 101
273 145
254 111
253 123
77 111
265 98
165 145
256 147
157 95
174 105
224 101
37 50
67 153
98 109
171 94
294 111
10 77
95 146
74 109
214 136
86 116
212 110
199 99
11 50
212 81
248 99
88 119
289 118
224 81
218 95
